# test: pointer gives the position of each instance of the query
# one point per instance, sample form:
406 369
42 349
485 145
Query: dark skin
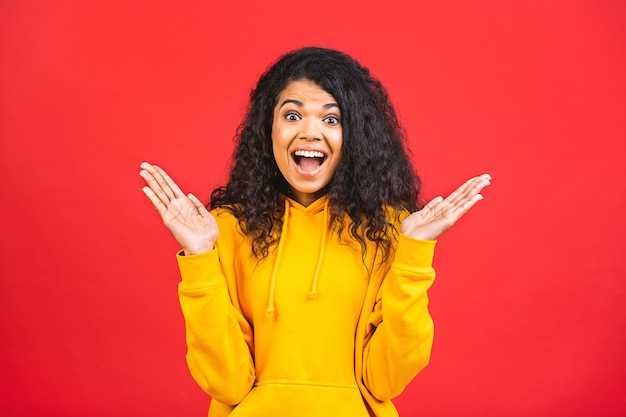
195 229
311 122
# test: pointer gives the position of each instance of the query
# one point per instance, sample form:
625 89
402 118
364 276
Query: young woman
304 289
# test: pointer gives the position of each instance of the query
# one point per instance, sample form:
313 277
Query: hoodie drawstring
320 257
270 310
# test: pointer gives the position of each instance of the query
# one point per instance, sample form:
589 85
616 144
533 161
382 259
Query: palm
440 214
186 223
185 216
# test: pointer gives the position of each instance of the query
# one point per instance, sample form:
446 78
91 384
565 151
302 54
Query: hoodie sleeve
400 336
218 336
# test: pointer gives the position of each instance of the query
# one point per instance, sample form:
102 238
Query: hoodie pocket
278 399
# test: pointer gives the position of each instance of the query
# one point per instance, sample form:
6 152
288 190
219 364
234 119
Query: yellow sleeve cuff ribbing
413 254
202 270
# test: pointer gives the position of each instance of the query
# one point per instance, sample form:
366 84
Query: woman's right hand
184 215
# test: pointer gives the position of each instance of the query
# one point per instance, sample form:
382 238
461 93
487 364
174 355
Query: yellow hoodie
310 330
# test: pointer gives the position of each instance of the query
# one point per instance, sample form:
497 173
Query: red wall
529 302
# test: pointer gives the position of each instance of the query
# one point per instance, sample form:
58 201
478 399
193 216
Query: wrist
422 236
197 250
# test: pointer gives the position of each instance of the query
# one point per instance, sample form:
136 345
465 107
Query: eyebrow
300 104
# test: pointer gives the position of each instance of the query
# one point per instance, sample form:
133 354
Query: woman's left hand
441 214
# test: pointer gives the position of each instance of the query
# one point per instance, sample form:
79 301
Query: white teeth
309 154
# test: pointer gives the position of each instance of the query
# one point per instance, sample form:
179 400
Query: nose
310 130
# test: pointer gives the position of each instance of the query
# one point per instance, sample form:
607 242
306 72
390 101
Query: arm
401 329
218 337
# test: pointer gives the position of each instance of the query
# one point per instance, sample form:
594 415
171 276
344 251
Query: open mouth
308 161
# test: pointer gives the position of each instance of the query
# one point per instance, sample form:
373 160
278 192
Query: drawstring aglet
312 295
269 313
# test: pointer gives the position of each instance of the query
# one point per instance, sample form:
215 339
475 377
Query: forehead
305 91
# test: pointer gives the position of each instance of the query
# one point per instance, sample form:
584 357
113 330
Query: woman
304 289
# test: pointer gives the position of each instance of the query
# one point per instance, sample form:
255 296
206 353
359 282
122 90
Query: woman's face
306 138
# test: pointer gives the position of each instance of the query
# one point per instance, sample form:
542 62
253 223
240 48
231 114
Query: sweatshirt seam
199 288
320 384
423 270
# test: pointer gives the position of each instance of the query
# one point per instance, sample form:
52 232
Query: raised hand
184 215
441 214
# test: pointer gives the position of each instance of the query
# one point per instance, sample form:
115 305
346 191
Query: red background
529 303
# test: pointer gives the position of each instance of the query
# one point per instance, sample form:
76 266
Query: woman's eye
292 116
332 120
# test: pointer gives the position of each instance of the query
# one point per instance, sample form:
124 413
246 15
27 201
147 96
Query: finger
467 190
145 165
161 183
157 173
471 195
461 210
149 176
477 186
432 204
201 208
156 201
461 190
170 182
462 199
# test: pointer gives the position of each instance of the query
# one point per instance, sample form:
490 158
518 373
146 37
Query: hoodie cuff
414 254
200 270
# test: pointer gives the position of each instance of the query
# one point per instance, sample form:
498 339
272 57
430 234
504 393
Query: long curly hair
374 177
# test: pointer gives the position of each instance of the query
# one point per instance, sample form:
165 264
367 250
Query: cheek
338 144
279 150
278 145
275 137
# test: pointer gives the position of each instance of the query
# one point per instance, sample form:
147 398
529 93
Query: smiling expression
306 139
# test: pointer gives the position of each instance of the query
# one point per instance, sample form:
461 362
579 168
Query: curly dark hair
374 174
